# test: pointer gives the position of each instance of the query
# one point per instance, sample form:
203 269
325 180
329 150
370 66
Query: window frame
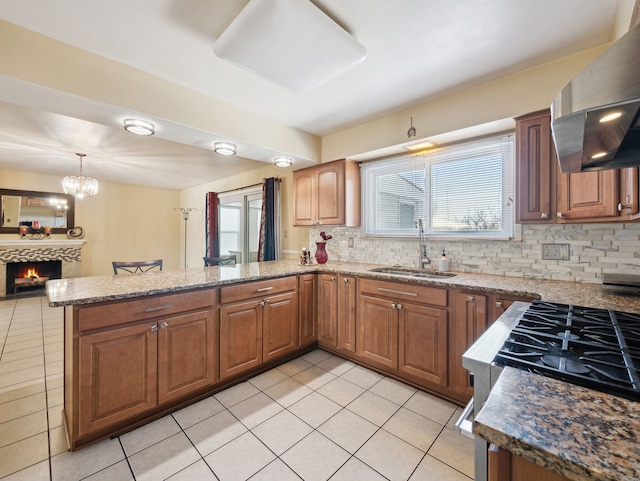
371 172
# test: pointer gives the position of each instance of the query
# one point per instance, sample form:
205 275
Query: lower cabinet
398 332
337 311
473 313
307 309
504 466
257 329
125 372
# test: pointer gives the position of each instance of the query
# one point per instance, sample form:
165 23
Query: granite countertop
582 434
87 290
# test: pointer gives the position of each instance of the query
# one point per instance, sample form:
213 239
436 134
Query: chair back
136 267
219 261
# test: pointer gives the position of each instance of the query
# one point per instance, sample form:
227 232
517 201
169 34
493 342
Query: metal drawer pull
164 325
262 289
498 304
346 280
398 306
383 289
464 425
393 306
154 328
471 299
261 304
333 278
159 308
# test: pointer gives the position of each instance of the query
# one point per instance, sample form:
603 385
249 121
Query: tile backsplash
594 250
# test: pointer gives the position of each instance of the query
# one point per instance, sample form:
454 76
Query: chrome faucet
424 258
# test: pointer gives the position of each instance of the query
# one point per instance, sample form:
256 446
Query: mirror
24 207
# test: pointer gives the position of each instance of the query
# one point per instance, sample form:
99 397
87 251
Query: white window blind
464 191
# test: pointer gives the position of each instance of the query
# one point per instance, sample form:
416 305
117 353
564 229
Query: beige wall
293 238
123 222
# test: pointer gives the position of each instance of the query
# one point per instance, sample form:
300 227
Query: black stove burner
596 348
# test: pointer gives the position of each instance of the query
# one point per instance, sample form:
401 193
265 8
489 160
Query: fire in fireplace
31 276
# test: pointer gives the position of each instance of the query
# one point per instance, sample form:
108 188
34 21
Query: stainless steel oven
593 347
478 360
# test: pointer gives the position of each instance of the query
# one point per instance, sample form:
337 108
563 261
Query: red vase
321 252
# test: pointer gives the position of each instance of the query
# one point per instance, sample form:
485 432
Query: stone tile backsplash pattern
594 249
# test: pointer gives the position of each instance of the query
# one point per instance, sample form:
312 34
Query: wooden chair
135 267
219 261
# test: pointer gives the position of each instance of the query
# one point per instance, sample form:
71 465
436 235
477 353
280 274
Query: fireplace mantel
30 244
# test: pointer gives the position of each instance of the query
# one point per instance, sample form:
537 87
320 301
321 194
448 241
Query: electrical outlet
350 242
557 252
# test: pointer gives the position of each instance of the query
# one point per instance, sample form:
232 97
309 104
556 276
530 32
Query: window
239 225
464 190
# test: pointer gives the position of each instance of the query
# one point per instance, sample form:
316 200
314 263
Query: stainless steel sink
413 273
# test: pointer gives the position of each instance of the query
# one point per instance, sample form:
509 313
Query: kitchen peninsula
140 346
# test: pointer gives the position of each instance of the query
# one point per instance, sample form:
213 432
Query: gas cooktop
595 348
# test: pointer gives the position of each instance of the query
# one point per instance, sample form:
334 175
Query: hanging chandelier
80 186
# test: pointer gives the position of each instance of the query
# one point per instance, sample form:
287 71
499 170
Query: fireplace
31 276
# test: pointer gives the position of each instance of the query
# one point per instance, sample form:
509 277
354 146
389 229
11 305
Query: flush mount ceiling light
283 161
421 146
79 186
139 127
291 42
224 148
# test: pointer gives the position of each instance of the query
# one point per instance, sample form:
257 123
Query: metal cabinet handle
470 299
164 325
154 328
261 304
393 306
398 306
346 280
623 206
559 215
544 215
333 279
159 308
262 289
498 304
267 301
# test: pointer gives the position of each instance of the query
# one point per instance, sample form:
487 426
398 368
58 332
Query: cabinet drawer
257 289
409 292
145 308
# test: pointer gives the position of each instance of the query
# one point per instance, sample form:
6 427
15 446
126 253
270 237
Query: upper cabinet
327 194
544 195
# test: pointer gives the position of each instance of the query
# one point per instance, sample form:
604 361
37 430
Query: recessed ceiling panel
291 42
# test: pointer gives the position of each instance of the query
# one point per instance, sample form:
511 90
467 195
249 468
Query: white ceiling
417 50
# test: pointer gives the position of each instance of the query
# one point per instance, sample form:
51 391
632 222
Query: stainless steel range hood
609 86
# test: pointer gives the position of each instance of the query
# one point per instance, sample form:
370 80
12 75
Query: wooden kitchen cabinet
545 195
504 466
327 194
398 329
308 308
536 168
473 313
186 360
328 310
117 377
470 321
258 322
347 299
127 359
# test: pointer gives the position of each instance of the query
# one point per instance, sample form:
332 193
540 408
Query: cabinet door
470 322
117 375
240 337
347 313
304 197
328 309
307 306
423 342
629 201
378 331
588 195
280 325
535 169
330 203
501 302
186 354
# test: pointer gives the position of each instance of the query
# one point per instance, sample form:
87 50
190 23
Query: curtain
269 244
211 233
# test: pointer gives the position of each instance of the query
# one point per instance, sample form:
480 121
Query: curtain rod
239 189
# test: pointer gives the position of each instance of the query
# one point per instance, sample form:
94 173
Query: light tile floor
317 417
